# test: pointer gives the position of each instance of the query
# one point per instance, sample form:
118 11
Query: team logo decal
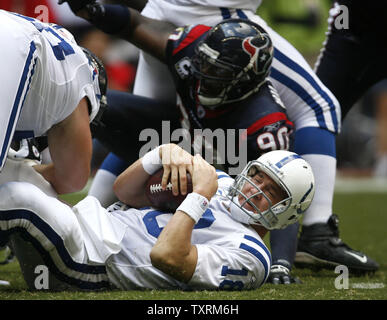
176 34
252 51
183 67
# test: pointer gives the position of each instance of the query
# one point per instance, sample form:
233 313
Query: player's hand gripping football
204 178
176 163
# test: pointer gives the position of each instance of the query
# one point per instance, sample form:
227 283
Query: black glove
77 5
280 274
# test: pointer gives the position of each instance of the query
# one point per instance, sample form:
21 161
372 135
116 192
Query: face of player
213 80
217 78
264 193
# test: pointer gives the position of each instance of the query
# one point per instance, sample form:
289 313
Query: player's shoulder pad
182 37
221 174
224 182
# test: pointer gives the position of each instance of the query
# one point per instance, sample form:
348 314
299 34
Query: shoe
319 247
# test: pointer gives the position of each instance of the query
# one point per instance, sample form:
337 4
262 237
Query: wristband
151 161
112 19
194 205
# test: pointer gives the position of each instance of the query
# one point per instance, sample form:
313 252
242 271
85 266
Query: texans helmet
231 62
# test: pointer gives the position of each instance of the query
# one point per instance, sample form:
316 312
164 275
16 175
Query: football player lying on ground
212 241
221 76
194 57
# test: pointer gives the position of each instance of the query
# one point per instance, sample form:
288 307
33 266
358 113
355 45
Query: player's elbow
119 191
176 265
164 260
123 194
159 257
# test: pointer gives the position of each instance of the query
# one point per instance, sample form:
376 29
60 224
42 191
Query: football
164 200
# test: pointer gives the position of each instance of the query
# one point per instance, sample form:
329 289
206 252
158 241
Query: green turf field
363 222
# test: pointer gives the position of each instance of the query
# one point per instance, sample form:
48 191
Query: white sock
324 170
102 187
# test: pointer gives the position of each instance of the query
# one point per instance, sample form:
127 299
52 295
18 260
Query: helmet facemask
266 215
215 77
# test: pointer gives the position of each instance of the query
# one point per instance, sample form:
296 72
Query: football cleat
319 247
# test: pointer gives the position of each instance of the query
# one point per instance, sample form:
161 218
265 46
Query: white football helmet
292 173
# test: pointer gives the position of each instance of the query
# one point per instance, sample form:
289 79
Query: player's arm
173 252
135 4
129 186
147 34
70 148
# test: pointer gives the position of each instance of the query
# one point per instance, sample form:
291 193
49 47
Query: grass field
363 223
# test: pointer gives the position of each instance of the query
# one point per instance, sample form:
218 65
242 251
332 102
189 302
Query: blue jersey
262 114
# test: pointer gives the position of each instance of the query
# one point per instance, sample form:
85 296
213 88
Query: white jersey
45 74
230 255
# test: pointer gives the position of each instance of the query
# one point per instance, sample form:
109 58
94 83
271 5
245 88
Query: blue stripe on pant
83 271
226 13
301 92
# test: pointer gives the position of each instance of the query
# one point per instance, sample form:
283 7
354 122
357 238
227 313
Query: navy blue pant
351 64
125 118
